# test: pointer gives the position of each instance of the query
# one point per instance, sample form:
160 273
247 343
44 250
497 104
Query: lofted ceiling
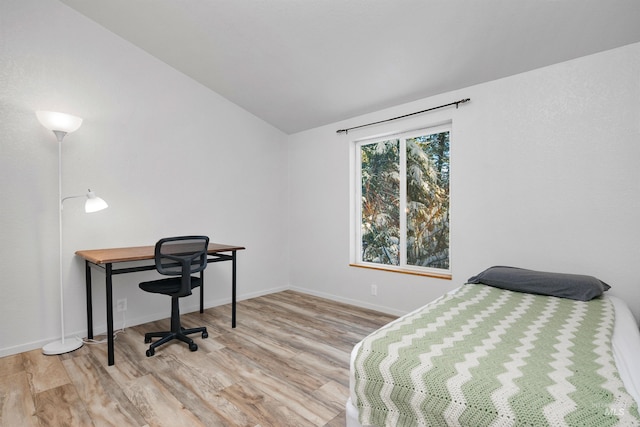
299 64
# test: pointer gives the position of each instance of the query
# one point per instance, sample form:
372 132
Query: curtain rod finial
462 101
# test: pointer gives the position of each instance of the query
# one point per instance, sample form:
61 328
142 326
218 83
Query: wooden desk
104 259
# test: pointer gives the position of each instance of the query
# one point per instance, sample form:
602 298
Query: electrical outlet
374 289
121 304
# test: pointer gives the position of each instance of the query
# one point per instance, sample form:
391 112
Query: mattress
625 342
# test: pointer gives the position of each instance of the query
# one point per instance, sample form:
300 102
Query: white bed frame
626 348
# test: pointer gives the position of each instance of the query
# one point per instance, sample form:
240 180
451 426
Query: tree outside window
404 200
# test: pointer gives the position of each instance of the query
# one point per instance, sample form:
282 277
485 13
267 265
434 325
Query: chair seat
169 286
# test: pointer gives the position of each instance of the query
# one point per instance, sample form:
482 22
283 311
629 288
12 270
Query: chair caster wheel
147 340
150 352
205 335
193 346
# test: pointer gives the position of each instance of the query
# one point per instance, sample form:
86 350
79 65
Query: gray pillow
573 286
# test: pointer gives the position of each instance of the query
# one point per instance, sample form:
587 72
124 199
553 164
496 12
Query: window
402 202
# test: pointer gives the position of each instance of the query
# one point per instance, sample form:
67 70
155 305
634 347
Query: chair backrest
182 255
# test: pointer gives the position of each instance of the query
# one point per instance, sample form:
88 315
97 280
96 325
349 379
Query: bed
511 347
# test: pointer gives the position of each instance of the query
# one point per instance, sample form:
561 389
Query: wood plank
16 402
157 405
261 408
197 379
61 406
139 253
11 365
45 372
333 394
290 386
102 396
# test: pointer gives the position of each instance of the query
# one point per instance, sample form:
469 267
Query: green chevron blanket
489 357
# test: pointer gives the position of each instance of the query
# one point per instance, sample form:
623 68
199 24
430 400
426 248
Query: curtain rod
462 101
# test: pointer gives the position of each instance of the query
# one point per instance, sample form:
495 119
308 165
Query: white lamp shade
59 121
94 203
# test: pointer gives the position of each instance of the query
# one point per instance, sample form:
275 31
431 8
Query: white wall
147 130
545 175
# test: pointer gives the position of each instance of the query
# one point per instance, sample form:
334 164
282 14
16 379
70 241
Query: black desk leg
233 289
87 273
202 291
109 314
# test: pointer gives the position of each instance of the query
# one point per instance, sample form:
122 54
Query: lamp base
59 347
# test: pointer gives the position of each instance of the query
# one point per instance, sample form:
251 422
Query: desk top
138 253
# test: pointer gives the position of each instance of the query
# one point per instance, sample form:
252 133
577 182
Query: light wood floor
286 364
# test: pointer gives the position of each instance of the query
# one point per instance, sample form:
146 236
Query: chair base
167 336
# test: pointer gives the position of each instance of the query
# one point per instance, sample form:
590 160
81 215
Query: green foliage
381 202
428 201
427 210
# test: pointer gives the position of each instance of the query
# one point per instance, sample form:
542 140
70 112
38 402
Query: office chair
179 257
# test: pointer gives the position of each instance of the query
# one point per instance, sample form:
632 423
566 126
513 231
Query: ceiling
299 64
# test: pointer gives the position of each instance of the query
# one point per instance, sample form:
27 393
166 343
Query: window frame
356 200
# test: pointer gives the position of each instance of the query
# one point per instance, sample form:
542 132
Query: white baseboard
357 303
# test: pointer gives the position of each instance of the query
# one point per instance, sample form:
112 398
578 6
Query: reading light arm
71 197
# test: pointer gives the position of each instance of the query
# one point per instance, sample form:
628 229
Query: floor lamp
61 124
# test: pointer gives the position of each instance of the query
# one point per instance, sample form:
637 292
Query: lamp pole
61 124
62 346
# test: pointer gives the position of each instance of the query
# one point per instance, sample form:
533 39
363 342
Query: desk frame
100 259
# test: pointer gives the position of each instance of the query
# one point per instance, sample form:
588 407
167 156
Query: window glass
380 208
428 200
403 201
